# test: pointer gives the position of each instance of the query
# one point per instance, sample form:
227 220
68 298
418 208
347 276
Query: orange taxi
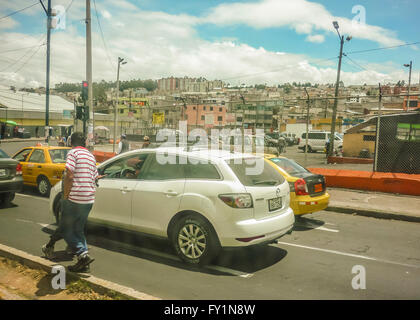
42 166
307 190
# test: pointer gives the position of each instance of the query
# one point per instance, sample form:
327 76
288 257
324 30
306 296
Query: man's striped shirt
83 166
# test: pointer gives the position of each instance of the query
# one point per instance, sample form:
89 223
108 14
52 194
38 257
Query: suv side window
37 156
167 171
205 171
125 168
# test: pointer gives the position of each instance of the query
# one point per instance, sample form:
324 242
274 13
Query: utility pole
409 84
378 124
47 86
307 127
89 70
120 60
334 114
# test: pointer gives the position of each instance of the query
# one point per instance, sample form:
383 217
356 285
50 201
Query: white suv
205 200
317 141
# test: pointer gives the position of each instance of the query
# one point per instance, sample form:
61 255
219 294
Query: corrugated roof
32 101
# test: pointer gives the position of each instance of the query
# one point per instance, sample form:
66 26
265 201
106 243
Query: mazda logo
278 193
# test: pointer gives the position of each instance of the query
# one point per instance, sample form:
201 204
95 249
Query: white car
317 141
205 201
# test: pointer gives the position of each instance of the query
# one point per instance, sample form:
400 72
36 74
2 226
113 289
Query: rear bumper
264 230
13 185
307 204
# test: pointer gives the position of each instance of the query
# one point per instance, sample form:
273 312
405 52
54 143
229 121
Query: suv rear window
289 166
202 171
268 177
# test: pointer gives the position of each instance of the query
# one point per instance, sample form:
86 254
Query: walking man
146 142
123 146
78 198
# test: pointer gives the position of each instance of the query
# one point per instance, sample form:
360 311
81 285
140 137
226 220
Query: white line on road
313 226
349 254
27 221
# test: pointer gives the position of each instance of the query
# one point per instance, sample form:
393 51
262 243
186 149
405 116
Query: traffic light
85 91
79 112
82 113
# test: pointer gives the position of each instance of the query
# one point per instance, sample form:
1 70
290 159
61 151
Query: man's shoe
48 251
70 251
81 263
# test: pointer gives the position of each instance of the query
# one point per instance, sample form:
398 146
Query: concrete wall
353 143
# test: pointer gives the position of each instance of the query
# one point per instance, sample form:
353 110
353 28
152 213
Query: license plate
274 204
2 172
318 187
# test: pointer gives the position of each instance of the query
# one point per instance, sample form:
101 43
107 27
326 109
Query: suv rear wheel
194 240
44 186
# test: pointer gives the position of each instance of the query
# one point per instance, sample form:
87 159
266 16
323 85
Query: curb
374 214
99 285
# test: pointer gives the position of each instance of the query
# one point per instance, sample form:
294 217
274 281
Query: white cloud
301 15
158 44
317 38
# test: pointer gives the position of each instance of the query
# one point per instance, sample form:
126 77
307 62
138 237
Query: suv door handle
171 193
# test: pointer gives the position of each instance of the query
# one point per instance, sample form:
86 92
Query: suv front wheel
194 240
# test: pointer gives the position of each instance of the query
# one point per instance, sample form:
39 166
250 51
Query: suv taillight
19 169
237 200
301 188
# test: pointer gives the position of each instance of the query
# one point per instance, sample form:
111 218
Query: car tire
7 198
309 149
44 186
194 240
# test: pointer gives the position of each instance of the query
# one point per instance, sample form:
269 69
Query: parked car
307 190
42 166
10 178
317 141
202 201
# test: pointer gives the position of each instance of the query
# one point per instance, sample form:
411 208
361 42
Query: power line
24 64
355 63
276 70
384 48
12 50
11 14
102 35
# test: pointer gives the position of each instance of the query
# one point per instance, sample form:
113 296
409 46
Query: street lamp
334 114
120 61
409 84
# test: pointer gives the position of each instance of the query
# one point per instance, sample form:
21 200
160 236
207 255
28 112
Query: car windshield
288 165
59 155
253 173
3 154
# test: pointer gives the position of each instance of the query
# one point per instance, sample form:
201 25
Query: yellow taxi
42 166
307 190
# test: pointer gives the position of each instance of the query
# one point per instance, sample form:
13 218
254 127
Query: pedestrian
78 197
281 144
146 142
123 146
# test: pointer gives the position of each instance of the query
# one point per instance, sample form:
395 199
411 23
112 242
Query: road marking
46 225
23 220
349 255
34 197
314 226
230 271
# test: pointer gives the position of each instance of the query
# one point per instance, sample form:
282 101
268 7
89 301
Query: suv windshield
59 155
289 166
268 177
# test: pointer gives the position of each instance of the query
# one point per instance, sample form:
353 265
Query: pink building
196 115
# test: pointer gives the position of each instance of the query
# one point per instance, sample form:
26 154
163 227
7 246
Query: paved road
314 262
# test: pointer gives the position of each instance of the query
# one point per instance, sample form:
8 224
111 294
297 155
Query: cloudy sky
250 41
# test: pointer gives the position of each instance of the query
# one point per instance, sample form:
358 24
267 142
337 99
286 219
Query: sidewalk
375 204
